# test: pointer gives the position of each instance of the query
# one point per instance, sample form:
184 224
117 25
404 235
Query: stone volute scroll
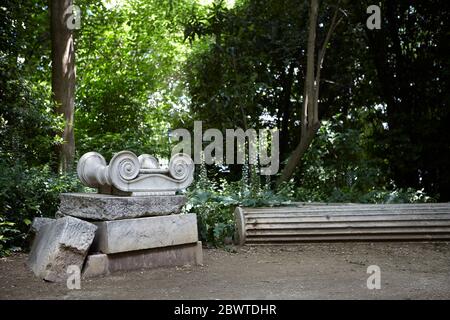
129 175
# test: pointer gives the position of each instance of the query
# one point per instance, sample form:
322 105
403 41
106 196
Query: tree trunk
297 155
310 109
309 118
63 78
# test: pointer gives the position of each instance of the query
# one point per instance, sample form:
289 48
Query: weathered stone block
145 233
59 244
199 254
96 265
158 257
104 264
96 206
38 222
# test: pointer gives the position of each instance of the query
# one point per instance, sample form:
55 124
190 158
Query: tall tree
259 66
412 76
128 75
310 108
63 77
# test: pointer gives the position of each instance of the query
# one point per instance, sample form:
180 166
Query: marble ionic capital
127 174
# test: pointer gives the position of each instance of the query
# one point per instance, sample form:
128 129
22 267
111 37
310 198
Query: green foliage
214 203
26 193
28 188
339 158
412 79
382 196
340 165
248 64
27 124
7 233
127 65
238 58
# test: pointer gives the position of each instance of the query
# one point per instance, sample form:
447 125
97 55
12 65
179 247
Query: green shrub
214 202
7 234
26 193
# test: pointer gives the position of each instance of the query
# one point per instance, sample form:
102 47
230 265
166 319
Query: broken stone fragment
59 244
38 222
96 265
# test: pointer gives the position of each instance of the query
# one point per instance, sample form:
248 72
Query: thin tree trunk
308 103
63 78
307 113
310 109
321 56
298 153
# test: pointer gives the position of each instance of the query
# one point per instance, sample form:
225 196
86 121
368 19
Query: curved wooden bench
342 222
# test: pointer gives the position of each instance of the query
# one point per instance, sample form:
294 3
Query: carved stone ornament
128 174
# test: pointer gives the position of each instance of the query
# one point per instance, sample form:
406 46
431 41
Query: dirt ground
309 271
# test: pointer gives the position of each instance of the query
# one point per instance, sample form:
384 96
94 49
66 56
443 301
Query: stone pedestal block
145 233
94 206
59 244
96 265
103 264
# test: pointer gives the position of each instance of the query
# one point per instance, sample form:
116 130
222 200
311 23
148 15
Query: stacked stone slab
135 232
136 225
